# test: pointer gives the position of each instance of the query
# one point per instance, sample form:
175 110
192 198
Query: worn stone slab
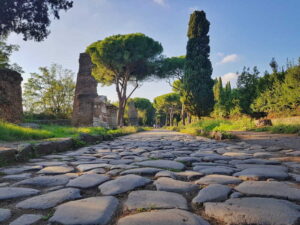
261 173
123 184
26 219
21 176
169 184
212 193
218 179
5 214
214 170
88 181
86 167
164 164
46 181
50 199
18 170
269 189
56 170
141 171
163 217
14 192
189 175
88 211
155 200
249 211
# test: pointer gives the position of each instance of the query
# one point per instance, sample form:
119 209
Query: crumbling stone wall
85 93
11 109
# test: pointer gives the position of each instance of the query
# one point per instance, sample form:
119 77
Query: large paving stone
123 184
269 188
218 179
50 199
212 193
13 192
169 184
86 167
249 211
155 200
56 170
164 164
21 176
163 217
141 171
5 214
214 170
46 181
261 173
88 181
17 170
89 211
26 219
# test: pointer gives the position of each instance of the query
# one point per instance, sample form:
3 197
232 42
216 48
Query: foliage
247 88
50 92
5 52
122 60
168 104
146 111
30 17
198 69
281 129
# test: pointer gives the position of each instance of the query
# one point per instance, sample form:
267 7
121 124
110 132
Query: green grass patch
281 129
12 132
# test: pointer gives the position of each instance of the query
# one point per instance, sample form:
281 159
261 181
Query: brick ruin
89 108
11 109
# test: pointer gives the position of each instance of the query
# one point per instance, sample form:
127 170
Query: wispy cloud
228 58
160 2
232 77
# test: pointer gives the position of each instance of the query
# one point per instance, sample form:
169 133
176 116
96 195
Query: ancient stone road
155 177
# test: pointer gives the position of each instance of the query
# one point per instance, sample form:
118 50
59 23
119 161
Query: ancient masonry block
11 109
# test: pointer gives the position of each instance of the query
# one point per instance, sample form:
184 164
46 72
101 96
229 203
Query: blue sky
243 33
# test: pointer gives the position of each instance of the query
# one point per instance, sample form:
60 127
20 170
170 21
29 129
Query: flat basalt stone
88 181
163 217
165 164
14 192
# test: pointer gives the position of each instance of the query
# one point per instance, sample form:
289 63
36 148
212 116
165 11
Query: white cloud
160 2
232 77
229 59
221 54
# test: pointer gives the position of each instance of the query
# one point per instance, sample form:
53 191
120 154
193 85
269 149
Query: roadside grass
281 129
12 132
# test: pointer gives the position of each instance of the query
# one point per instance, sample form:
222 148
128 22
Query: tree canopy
30 18
122 60
198 69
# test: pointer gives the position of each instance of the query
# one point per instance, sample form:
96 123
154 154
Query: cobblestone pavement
155 177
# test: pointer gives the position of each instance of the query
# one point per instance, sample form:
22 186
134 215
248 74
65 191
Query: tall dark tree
198 69
30 17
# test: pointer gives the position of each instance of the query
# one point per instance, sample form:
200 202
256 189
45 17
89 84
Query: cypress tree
198 69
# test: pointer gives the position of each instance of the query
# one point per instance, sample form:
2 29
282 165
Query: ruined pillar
11 109
85 93
132 114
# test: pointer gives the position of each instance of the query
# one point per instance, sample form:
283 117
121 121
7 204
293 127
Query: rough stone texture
165 164
261 173
168 184
7 155
155 200
249 211
212 193
12 192
141 171
50 199
88 181
4 214
11 108
95 210
123 184
270 189
56 170
218 179
85 93
163 217
46 181
26 219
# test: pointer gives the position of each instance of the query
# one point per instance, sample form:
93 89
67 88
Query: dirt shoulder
287 141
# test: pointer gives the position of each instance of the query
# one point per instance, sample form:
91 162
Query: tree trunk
183 115
166 123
